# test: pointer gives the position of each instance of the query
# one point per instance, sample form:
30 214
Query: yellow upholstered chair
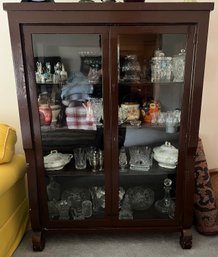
14 214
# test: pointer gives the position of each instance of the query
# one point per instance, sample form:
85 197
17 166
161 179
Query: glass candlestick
101 160
163 205
95 161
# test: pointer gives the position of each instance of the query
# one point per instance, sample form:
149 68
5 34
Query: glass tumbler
80 158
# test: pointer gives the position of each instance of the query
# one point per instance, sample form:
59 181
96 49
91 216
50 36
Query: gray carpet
128 245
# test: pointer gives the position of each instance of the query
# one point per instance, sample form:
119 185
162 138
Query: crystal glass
53 209
97 108
172 122
89 154
80 158
94 161
101 160
53 190
165 205
126 212
123 159
140 158
161 69
131 68
87 208
98 198
178 66
64 207
140 197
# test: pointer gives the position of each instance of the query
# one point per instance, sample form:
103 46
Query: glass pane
150 91
70 104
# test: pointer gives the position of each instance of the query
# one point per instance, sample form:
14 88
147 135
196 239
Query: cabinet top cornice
176 6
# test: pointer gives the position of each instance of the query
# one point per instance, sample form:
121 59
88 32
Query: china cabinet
109 97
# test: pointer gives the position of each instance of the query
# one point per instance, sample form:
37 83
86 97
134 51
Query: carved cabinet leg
38 241
186 239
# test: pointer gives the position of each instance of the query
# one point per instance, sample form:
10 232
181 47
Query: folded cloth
76 84
205 209
78 118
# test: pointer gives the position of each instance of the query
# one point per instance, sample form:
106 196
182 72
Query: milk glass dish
166 155
56 160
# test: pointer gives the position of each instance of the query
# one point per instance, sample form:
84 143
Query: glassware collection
75 100
80 203
163 68
75 92
44 73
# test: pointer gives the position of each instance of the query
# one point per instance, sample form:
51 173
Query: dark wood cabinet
109 97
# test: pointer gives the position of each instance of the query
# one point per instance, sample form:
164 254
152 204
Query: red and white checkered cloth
78 118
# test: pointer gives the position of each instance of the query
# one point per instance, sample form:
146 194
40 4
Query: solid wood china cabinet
109 97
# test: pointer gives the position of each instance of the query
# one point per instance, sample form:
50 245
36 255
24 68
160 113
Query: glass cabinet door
69 95
150 85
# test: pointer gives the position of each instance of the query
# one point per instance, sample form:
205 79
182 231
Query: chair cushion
8 138
11 172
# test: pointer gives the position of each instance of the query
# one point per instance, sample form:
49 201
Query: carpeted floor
128 245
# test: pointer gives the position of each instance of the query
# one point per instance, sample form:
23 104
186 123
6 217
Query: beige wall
209 121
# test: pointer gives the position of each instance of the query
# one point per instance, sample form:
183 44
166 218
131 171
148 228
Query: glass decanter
164 205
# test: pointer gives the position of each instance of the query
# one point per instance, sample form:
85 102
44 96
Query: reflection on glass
68 75
150 91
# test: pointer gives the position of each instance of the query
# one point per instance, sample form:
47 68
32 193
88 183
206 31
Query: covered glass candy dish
166 155
56 160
